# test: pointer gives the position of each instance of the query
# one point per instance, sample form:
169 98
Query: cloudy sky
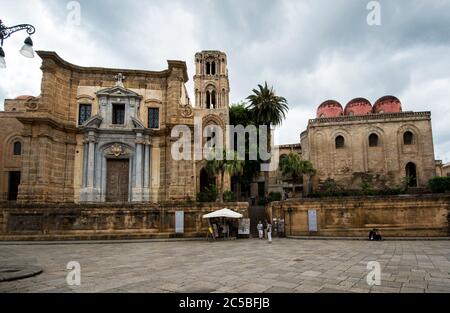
310 51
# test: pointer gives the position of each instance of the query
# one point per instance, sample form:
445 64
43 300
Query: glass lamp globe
27 49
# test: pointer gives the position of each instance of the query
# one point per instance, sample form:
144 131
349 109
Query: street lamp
27 48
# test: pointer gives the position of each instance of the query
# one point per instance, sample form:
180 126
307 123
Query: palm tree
295 167
217 167
269 110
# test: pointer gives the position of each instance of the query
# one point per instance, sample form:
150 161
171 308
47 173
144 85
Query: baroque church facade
104 135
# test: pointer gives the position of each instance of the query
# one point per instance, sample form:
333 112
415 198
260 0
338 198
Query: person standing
269 232
260 228
265 229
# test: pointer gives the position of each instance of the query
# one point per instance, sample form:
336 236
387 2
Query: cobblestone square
244 266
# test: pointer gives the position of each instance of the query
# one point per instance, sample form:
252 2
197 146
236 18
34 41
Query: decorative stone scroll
187 111
32 104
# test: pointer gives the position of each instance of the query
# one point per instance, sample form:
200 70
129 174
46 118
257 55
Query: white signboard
312 220
244 226
179 222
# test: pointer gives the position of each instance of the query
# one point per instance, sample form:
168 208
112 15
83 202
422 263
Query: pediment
118 91
93 122
137 123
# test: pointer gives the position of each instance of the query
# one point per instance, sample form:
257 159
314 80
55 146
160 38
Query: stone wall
395 216
11 132
105 221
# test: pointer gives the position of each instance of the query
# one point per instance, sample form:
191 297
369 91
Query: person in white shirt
260 228
269 232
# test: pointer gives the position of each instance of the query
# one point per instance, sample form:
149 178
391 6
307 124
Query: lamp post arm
5 32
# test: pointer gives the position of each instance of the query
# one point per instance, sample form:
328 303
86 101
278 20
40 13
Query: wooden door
117 177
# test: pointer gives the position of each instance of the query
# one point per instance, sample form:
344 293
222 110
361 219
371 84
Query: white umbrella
223 213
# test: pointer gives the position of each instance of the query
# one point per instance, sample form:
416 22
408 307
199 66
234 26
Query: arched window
340 142
408 138
213 68
373 140
17 148
208 68
211 98
208 100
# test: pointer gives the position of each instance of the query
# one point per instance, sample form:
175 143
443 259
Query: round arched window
408 138
340 142
373 140
17 148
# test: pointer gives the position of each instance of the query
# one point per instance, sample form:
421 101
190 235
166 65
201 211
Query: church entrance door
14 182
411 174
117 179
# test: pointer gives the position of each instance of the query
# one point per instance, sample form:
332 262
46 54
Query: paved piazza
234 266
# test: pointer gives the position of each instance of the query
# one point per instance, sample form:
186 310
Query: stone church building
98 135
104 135
380 145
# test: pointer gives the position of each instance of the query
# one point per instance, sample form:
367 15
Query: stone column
87 192
137 189
155 170
91 161
138 175
146 193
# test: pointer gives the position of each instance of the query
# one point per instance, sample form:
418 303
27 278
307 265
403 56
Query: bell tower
212 87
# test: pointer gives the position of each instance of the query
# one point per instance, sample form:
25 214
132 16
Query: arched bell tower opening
212 87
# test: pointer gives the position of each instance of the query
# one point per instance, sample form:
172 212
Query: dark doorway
205 180
117 177
261 190
13 185
411 174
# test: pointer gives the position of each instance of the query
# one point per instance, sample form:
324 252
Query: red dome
387 104
330 108
358 106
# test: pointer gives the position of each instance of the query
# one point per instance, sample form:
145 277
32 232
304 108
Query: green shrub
229 196
356 193
439 184
262 201
274 196
366 189
390 191
209 195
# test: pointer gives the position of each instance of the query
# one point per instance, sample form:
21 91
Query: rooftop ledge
101 70
378 116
